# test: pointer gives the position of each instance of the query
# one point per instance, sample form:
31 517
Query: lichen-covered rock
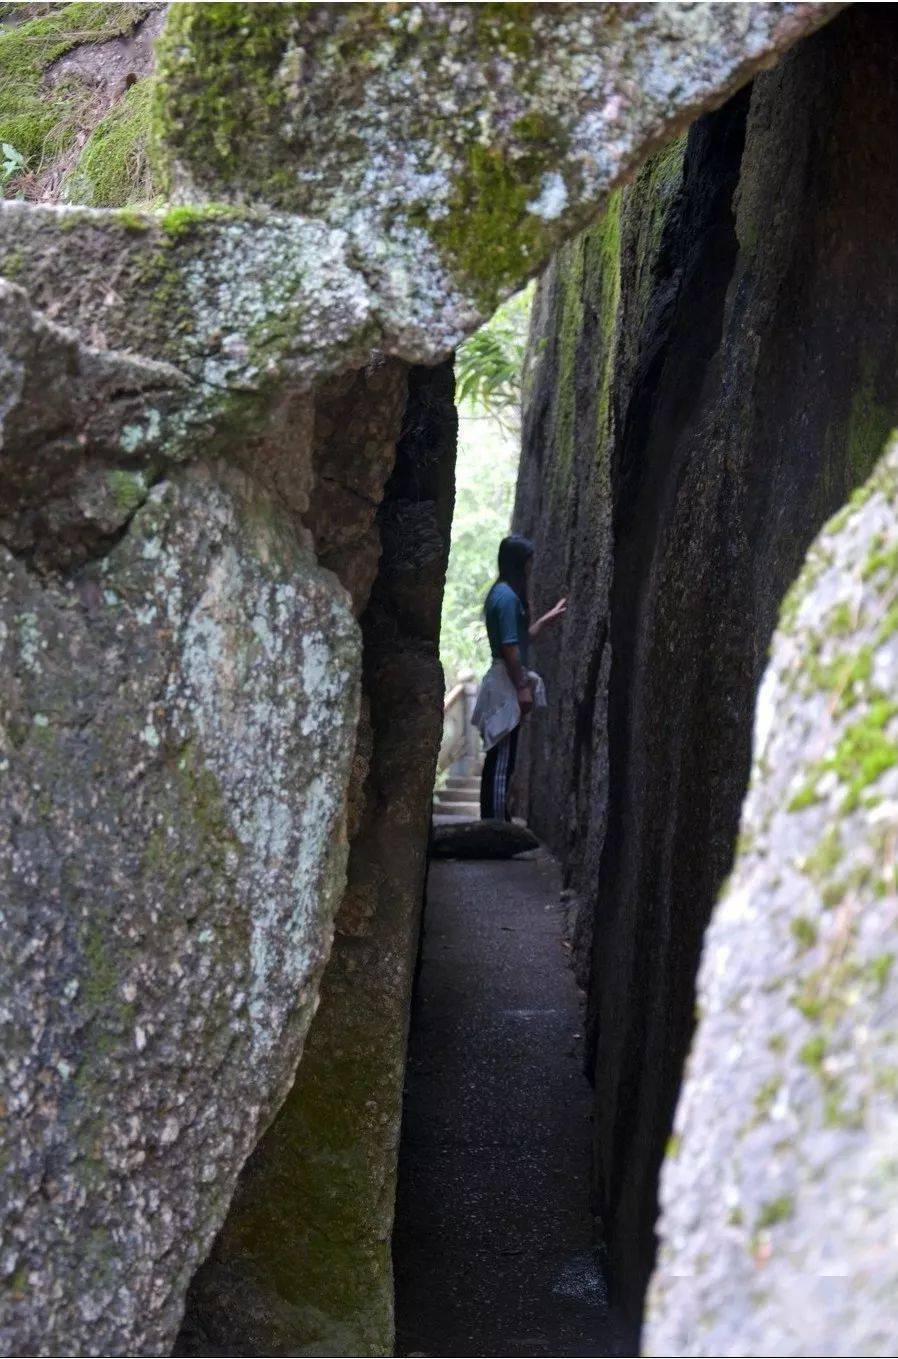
82 407
244 302
441 154
457 144
780 1219
177 728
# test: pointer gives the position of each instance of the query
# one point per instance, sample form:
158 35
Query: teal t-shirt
506 621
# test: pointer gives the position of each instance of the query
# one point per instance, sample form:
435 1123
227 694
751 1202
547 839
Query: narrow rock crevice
740 385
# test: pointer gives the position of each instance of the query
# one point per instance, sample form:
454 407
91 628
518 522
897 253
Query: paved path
493 1237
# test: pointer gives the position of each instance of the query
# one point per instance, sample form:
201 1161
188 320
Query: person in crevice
509 690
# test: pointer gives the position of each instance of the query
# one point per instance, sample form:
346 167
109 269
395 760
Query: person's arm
511 655
550 617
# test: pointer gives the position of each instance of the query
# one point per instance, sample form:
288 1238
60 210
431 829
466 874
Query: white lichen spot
170 1130
29 639
133 436
150 736
552 199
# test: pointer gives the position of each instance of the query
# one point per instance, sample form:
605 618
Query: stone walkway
493 1236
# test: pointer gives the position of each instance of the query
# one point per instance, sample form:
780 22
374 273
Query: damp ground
494 1249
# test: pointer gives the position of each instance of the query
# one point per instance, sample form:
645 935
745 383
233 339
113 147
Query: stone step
468 781
465 811
460 794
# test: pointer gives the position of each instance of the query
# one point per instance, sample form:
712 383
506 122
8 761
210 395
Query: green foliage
13 163
489 365
114 168
38 119
484 499
488 392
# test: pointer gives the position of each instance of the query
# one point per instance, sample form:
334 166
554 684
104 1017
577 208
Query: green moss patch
765 1097
777 1210
209 110
865 751
114 166
489 234
869 424
803 931
813 1052
38 119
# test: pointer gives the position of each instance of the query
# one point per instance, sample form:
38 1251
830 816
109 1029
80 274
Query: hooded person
509 690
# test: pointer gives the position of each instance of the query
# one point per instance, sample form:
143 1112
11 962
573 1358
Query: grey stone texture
779 1212
178 725
180 721
457 145
81 407
713 370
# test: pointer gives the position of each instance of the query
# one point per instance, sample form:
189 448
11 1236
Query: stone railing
460 740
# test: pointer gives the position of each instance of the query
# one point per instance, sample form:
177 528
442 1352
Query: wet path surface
493 1236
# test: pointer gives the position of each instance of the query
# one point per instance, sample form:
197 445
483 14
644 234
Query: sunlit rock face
712 374
779 1217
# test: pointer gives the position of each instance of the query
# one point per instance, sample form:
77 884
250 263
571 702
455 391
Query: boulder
458 145
779 1215
303 1263
178 723
481 840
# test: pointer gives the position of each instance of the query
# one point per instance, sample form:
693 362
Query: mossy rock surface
458 143
70 72
182 709
789 1117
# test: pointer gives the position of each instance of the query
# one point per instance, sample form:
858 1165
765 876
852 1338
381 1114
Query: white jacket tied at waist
497 711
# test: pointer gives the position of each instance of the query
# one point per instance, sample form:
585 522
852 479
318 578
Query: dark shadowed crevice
655 443
302 1263
753 359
